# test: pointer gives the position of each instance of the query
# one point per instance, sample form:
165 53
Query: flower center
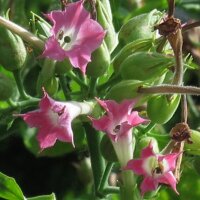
66 38
117 129
54 115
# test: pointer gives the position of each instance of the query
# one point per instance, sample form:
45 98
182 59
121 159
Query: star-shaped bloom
155 168
117 124
53 119
74 35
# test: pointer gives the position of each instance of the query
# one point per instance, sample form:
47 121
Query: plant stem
149 127
111 190
63 84
105 177
76 79
92 88
127 187
169 89
23 33
18 80
113 79
97 161
190 26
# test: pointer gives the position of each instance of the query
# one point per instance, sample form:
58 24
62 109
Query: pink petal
171 160
135 166
148 184
46 138
148 151
169 179
53 50
33 119
134 119
101 124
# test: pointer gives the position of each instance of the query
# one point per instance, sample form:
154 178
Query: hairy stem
169 89
23 33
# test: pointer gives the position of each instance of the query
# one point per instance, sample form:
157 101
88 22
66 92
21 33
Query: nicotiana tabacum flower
53 119
117 124
155 168
74 35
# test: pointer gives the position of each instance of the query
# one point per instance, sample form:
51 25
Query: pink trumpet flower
117 124
74 35
54 119
155 168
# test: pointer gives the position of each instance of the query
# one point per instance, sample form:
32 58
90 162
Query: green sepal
100 61
126 89
161 108
104 19
6 87
194 148
130 48
12 50
145 66
140 27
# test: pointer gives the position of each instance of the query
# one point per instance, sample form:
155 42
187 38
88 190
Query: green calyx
100 62
12 49
145 66
6 87
160 109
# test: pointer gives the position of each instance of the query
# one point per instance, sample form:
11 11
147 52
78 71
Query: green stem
105 177
23 33
128 185
169 89
111 190
92 88
18 80
97 161
63 84
113 79
76 79
149 127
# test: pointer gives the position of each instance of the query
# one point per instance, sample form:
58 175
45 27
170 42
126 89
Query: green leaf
43 197
9 189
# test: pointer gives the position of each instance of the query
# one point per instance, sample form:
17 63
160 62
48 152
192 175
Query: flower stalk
169 89
23 33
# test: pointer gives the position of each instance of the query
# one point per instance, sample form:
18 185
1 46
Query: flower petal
148 184
148 151
169 179
134 119
135 166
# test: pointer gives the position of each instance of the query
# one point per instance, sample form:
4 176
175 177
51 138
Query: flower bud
106 4
40 26
62 67
160 109
130 48
100 62
106 22
145 66
6 87
140 27
124 90
144 142
194 147
12 49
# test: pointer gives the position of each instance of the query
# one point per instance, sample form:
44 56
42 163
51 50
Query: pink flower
119 119
74 35
118 124
53 119
155 168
